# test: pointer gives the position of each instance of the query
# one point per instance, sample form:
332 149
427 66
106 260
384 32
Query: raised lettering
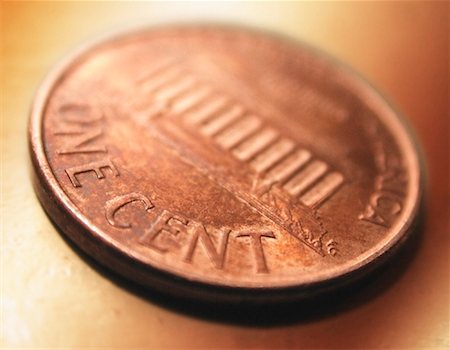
393 180
169 224
96 167
255 239
82 142
217 256
79 114
382 209
113 206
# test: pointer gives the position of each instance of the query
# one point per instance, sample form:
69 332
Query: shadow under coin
280 313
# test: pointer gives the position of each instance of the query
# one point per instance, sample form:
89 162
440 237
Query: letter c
113 205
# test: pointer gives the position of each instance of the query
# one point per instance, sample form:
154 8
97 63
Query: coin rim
390 118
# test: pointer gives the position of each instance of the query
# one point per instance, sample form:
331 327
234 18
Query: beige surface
52 298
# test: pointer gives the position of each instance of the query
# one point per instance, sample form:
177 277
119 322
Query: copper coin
222 163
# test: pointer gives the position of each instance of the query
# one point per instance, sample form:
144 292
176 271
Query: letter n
216 255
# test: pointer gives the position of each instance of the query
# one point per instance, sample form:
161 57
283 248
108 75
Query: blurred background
51 297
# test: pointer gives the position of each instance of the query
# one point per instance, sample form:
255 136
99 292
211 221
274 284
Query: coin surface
222 163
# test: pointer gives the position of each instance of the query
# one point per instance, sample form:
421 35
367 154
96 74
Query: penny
223 164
